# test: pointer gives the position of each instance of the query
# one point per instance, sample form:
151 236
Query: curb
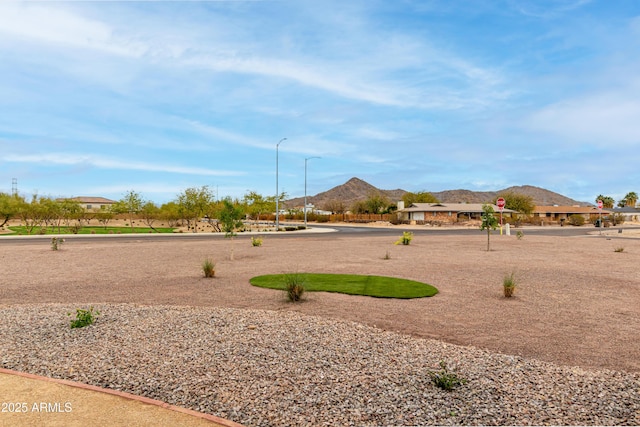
146 400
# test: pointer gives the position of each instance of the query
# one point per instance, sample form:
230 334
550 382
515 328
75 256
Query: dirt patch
577 300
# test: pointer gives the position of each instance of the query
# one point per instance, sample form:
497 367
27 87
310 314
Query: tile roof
92 200
570 210
450 207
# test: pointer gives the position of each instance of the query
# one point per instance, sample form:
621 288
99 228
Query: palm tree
630 199
607 201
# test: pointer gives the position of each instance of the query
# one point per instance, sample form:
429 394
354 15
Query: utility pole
305 188
277 188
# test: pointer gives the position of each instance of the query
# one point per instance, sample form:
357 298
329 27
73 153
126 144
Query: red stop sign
500 203
600 204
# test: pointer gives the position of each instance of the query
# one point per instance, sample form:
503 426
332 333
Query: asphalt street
325 231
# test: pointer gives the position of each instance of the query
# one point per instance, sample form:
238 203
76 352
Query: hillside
356 189
348 193
539 195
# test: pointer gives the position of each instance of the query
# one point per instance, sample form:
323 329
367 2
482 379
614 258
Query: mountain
348 193
356 190
540 196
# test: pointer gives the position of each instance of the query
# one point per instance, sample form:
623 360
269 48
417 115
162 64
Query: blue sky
101 97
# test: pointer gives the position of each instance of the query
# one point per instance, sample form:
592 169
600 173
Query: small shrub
208 268
294 286
446 379
387 255
519 235
576 219
84 317
56 243
302 227
619 249
614 219
256 241
290 228
406 238
509 284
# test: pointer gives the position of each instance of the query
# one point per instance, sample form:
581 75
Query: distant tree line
199 203
188 208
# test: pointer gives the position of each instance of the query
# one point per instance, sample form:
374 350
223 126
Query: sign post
600 205
501 203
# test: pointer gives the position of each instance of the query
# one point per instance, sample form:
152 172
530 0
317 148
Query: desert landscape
563 350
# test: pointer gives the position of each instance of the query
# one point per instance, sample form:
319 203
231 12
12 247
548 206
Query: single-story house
560 213
444 212
93 203
630 214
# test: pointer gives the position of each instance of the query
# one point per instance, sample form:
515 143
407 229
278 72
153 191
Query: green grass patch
352 284
20 229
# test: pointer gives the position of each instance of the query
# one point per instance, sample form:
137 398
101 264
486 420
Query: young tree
130 204
150 213
51 212
193 204
257 204
104 216
359 207
231 219
335 206
376 203
518 202
489 222
32 214
170 212
419 197
70 210
9 207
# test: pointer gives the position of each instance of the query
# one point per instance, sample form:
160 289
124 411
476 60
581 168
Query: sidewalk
31 400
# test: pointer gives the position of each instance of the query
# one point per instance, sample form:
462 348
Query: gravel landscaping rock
279 368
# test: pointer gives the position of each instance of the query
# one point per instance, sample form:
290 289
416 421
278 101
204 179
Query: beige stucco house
560 213
93 203
444 212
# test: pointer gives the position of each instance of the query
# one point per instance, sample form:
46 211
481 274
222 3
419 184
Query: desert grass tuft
294 286
509 284
446 379
209 268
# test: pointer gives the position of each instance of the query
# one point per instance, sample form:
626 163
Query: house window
88 206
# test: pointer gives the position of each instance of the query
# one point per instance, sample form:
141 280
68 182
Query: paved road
328 230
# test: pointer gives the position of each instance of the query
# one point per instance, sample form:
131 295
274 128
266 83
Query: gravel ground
569 336
265 368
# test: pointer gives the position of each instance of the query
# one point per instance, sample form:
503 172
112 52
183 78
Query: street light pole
305 188
277 188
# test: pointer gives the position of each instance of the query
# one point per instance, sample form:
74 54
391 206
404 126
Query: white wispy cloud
366 73
54 25
67 159
602 120
547 8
